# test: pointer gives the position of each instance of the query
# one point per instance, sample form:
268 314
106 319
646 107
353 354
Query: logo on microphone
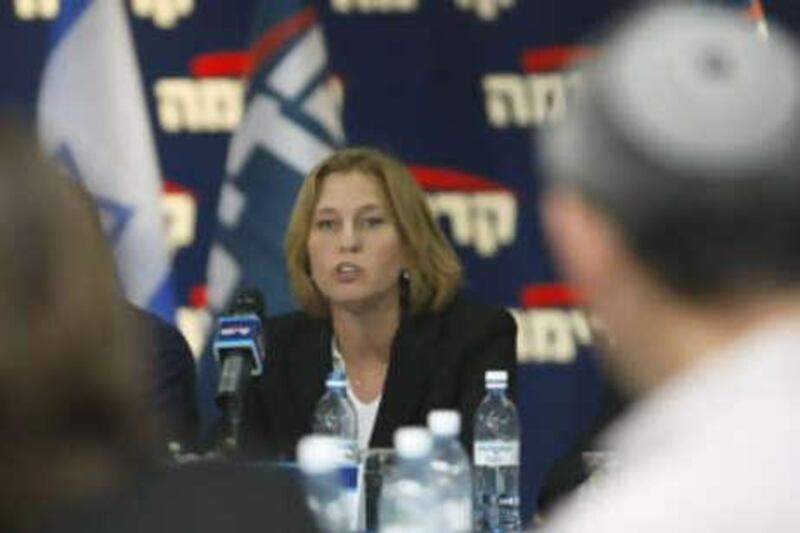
239 332
234 332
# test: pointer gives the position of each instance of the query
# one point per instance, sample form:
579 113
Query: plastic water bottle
408 501
335 416
452 471
318 457
496 456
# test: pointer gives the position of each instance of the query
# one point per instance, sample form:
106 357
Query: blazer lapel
408 377
309 373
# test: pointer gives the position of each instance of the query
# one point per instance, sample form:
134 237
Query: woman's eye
372 222
324 224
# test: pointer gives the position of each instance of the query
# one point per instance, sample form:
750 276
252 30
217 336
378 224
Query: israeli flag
92 117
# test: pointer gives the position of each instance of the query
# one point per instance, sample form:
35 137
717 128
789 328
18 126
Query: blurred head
361 230
675 177
70 386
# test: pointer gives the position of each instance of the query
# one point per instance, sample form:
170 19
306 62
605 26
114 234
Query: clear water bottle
496 456
335 416
452 471
318 457
408 501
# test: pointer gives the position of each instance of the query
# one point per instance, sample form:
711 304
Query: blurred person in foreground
379 285
77 440
675 207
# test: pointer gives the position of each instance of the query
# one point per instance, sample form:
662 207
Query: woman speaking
378 284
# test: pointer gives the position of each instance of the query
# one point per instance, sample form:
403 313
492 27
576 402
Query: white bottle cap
318 454
412 442
336 379
496 376
444 422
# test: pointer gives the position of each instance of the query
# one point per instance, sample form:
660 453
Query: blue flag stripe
71 11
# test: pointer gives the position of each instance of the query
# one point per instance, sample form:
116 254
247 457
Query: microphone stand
235 372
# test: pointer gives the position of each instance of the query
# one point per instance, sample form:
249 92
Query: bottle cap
318 454
496 376
444 422
336 378
412 442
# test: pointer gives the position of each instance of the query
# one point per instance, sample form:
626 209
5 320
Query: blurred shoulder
468 318
154 329
474 315
146 319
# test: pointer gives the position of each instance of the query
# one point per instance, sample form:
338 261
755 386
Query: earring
404 275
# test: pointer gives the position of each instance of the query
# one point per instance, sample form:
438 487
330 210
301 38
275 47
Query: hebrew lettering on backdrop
164 13
374 6
487 221
551 335
204 105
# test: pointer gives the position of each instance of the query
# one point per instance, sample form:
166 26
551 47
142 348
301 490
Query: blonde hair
434 271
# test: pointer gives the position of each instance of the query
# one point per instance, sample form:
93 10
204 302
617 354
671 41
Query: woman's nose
349 238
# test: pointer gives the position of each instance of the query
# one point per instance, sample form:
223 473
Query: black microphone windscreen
249 300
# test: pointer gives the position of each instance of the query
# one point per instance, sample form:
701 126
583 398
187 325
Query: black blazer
438 361
172 384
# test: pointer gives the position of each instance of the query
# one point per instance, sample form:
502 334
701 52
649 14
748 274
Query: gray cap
689 90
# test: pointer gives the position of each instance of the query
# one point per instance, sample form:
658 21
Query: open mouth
347 271
346 268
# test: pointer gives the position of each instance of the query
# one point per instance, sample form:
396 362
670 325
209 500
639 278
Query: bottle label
348 451
496 453
350 497
350 476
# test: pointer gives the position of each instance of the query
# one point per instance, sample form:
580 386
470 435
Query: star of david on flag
92 117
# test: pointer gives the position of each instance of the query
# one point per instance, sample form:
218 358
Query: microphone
238 348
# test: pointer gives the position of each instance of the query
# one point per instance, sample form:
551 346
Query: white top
715 449
365 412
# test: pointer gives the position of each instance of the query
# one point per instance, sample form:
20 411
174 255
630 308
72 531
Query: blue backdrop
456 88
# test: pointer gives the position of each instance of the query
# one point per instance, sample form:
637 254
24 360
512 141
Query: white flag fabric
292 121
92 116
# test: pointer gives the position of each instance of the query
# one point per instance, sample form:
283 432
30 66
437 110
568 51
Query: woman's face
354 248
